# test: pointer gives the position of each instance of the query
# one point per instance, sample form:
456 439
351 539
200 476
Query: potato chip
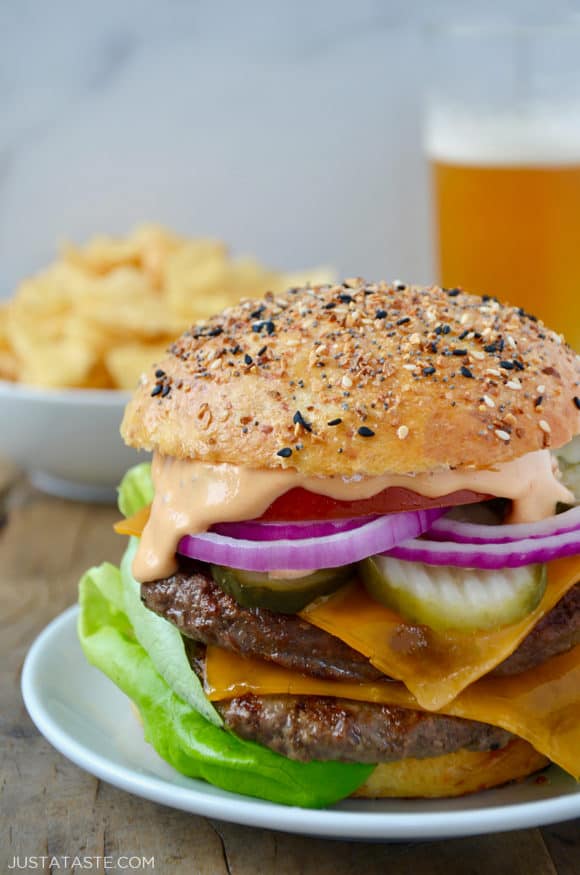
126 364
101 314
54 365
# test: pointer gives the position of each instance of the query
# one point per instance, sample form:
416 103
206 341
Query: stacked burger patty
324 728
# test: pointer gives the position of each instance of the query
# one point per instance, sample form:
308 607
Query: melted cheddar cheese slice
434 666
134 525
542 705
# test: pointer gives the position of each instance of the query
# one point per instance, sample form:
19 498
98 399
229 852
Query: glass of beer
503 141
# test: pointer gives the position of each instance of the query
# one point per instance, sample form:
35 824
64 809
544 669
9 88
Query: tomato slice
299 504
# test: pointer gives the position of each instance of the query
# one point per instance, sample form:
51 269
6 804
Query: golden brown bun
271 375
454 774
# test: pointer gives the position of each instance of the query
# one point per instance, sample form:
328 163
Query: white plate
90 721
67 439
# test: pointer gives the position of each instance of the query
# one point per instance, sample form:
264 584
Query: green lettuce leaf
181 735
163 642
136 489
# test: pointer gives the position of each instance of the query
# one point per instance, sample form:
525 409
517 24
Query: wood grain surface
50 807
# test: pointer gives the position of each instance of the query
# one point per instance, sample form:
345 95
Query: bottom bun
454 774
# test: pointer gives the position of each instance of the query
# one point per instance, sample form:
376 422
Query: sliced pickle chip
568 458
254 589
459 599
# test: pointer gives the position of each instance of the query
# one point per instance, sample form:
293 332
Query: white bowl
66 439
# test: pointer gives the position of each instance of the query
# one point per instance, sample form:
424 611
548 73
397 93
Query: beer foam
550 136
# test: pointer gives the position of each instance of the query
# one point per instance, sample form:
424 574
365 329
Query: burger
353 563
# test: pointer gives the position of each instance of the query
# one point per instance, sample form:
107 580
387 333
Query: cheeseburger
353 561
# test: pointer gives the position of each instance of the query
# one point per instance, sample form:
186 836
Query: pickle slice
254 589
568 458
460 599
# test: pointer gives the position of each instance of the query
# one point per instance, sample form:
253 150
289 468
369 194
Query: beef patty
325 728
201 610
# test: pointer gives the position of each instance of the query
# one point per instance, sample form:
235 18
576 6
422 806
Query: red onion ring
327 551
489 556
258 531
446 529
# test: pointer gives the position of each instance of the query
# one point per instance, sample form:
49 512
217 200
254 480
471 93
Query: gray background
292 130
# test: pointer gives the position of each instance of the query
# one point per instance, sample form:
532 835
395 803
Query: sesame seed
502 435
298 419
490 347
453 292
248 359
267 324
215 364
345 299
346 382
576 401
541 389
285 452
364 431
166 390
489 401
514 384
409 367
402 432
336 421
381 314
538 401
330 306
511 341
545 426
464 319
156 390
477 354
508 366
262 351
458 352
415 339
159 373
403 320
466 372
428 371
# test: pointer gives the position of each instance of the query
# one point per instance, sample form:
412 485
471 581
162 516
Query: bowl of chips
68 440
76 337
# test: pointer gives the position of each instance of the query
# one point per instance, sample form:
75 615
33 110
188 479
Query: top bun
360 378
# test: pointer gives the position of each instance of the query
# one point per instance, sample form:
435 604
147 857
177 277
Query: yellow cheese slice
542 705
134 525
435 666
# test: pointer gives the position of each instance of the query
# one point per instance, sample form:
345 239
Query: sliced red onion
257 531
489 556
447 529
327 551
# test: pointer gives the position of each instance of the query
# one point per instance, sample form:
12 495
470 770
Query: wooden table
50 807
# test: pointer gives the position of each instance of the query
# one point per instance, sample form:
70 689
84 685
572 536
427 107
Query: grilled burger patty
326 728
201 610
323 728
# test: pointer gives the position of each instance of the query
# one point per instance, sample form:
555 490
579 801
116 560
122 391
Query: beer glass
502 137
